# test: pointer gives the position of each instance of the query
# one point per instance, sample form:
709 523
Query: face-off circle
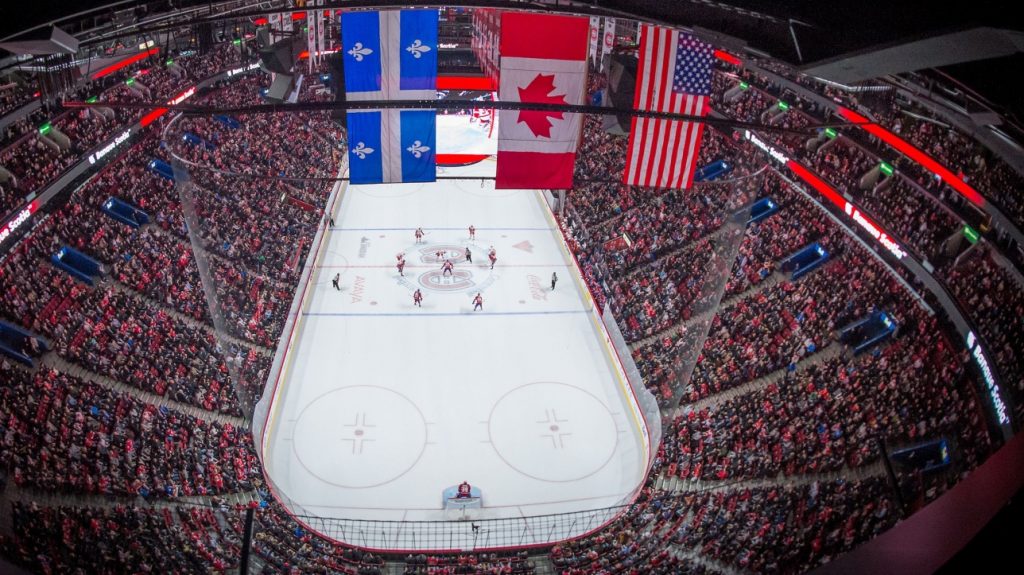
552 431
359 436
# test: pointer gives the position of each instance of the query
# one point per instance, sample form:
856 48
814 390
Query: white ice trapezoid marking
553 431
360 436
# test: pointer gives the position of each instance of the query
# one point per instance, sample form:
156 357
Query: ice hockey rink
382 405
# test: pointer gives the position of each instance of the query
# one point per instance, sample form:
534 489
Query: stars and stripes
673 75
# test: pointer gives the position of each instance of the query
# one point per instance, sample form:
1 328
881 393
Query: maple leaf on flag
538 93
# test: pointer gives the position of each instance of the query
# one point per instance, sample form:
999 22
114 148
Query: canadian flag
543 60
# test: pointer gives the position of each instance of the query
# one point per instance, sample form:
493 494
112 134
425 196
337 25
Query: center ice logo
435 279
437 254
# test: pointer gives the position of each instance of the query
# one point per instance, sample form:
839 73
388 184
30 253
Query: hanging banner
608 42
275 25
595 35
311 40
321 34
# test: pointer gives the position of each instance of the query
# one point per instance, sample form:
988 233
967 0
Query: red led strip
916 155
817 183
466 83
727 57
124 63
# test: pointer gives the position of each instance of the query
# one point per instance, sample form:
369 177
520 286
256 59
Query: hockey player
335 281
478 302
469 255
465 491
401 267
472 232
419 235
417 298
493 256
554 280
447 268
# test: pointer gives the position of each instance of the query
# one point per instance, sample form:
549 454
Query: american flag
674 75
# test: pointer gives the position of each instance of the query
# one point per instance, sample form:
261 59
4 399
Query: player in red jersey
447 268
493 256
472 232
478 302
417 298
419 235
401 267
465 491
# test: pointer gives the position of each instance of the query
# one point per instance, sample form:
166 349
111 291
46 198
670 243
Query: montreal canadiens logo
437 254
457 280
436 279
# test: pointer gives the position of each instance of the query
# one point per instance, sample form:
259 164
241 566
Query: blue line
340 229
445 314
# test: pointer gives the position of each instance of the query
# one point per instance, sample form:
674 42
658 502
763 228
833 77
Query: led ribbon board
914 154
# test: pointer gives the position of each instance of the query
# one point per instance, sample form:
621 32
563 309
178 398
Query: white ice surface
383 404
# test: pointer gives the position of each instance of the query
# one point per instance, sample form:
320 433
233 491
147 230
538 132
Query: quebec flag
391 55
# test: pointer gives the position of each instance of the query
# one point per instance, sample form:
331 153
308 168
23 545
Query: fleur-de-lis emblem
362 151
358 51
418 149
417 49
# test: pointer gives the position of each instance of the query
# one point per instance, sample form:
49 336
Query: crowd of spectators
64 434
994 299
649 252
121 539
14 95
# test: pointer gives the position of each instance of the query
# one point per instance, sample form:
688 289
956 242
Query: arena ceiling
805 33
822 29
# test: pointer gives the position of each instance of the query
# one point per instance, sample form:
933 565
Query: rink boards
380 404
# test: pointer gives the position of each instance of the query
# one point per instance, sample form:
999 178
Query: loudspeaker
263 38
621 85
280 88
279 58
336 67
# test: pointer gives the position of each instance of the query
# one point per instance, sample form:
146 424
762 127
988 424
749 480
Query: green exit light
886 169
744 85
830 133
129 81
783 105
971 234
45 128
91 100
237 41
169 61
